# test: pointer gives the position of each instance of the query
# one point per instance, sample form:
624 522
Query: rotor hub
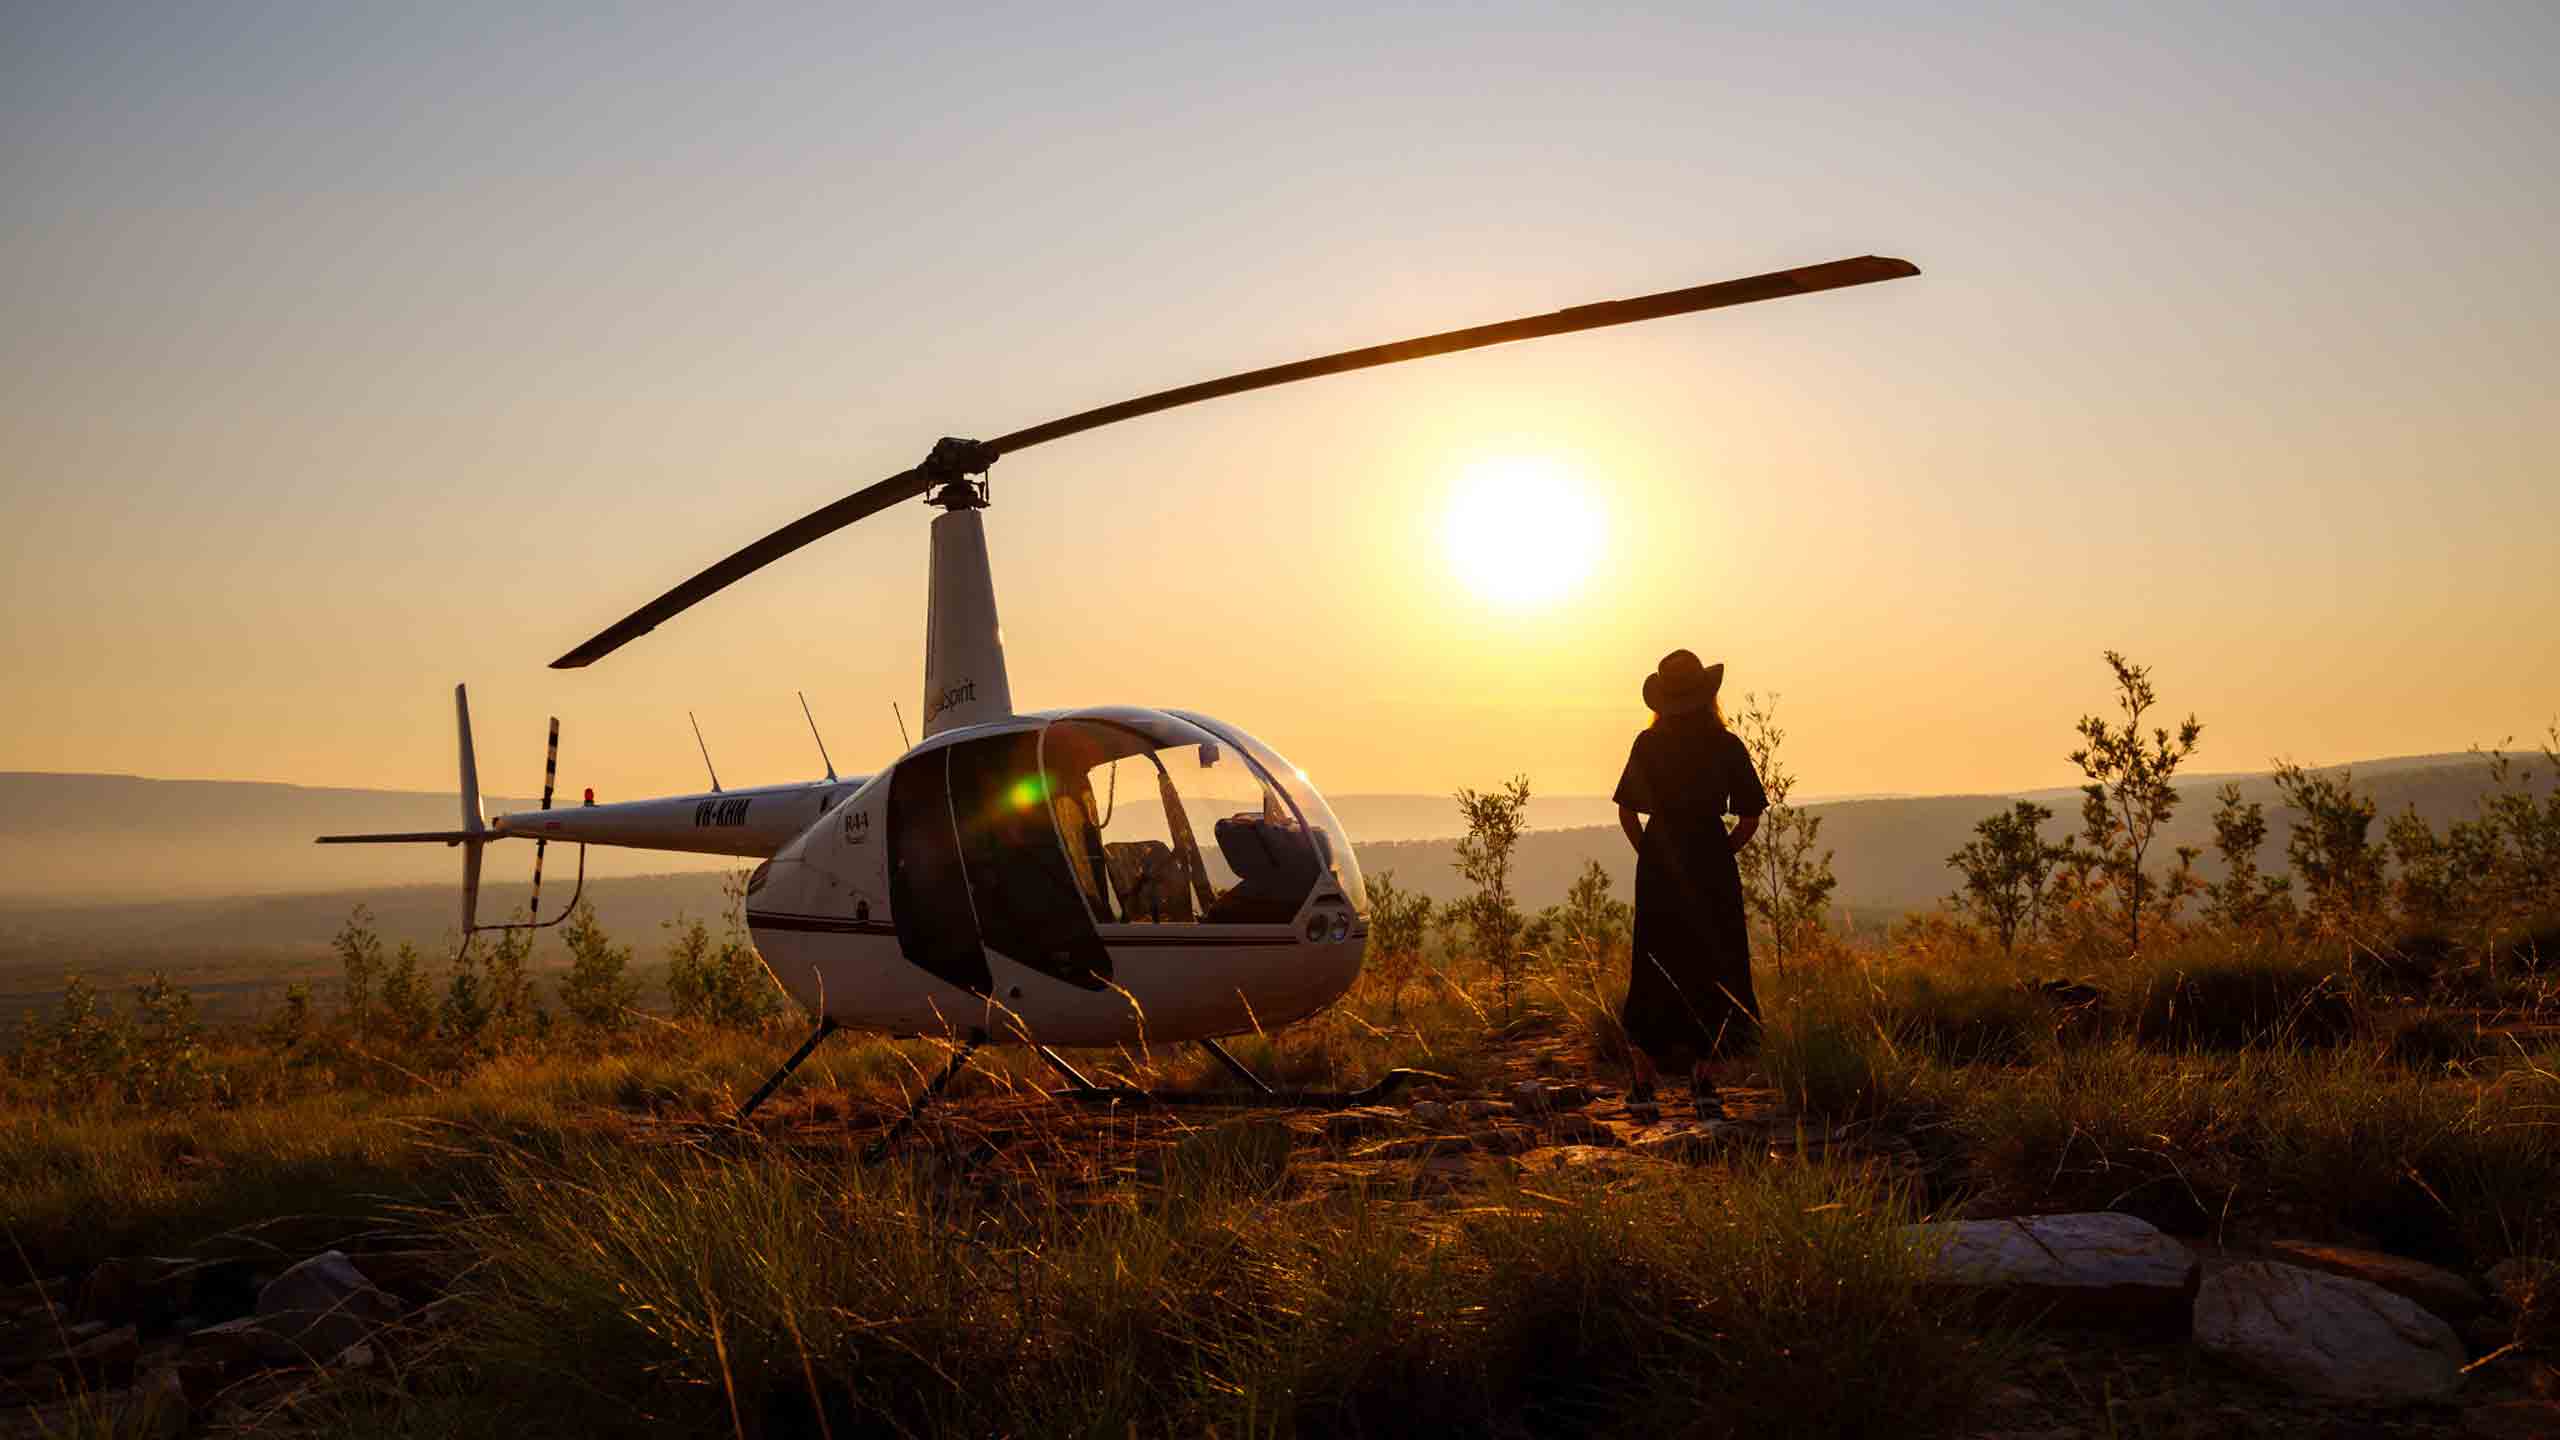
956 473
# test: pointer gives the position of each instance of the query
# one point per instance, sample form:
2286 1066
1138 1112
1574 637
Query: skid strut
1237 1067
765 1091
959 1059
1081 1088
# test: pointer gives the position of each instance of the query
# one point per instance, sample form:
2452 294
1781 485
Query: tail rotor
550 773
476 833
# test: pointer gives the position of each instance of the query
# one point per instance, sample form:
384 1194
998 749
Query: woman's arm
1742 832
1633 824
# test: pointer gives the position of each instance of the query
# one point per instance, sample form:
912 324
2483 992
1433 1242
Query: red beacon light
591 794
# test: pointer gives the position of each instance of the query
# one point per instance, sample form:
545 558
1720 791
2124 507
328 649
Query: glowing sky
349 351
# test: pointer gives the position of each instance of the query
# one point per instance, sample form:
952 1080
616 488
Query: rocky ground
2122 1330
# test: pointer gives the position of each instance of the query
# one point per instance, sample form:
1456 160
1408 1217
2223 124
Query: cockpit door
928 883
1029 906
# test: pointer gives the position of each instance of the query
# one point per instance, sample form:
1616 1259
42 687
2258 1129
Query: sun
1521 531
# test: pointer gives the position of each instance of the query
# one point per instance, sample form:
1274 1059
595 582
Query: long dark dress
1689 997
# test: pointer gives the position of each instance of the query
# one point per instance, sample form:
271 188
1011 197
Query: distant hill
1891 855
80 838
170 839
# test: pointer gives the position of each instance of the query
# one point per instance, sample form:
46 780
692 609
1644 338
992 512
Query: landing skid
1079 1087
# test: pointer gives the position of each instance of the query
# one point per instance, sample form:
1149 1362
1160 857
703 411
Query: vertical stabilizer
473 822
964 676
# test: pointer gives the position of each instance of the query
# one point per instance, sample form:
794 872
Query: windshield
1167 822
1333 843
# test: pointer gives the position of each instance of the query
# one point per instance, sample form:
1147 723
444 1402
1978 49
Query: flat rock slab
324 1305
2086 1267
2433 1287
2327 1335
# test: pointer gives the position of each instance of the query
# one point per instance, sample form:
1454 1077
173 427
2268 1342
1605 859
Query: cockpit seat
1275 866
1147 877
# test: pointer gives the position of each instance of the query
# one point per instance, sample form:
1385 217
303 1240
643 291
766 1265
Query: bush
1968 1022
76 1053
2227 997
598 991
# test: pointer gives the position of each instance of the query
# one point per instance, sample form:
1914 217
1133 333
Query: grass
629 1264
791 1295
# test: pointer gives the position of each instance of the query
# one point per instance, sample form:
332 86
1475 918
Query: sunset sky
350 351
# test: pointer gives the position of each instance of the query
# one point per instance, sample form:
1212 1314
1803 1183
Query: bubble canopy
1175 818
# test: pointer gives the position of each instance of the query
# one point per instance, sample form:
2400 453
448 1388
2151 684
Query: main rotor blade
1864 270
817 524
870 500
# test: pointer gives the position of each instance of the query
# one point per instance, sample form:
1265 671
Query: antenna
903 742
813 733
706 752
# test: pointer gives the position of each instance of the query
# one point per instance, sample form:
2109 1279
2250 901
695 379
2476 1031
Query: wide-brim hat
1680 684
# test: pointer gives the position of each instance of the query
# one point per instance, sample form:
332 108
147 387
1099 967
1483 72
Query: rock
1345 1126
237 1346
1600 1161
103 1360
2437 1289
156 1409
2518 1279
1504 1140
2332 1336
1479 1109
159 1406
1420 1147
145 1289
1568 1096
1430 1114
324 1305
2513 1420
2088 1267
1571 1129
1529 1101
1693 1144
417 1276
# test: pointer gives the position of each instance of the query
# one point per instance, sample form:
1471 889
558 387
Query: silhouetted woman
1689 996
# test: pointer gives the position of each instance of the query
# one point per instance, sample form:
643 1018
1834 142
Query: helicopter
1033 877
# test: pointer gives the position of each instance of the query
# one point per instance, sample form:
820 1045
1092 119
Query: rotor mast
964 673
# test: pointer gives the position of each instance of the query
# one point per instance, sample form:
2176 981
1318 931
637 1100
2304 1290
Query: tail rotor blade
953 459
550 773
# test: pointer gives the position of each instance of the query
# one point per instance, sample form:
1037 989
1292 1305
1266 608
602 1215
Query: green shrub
598 991
2229 996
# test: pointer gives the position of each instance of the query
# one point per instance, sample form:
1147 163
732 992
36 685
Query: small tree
408 999
514 1004
167 1065
1494 821
1399 926
2331 846
724 982
1783 882
2005 867
598 992
360 957
1592 917
80 1049
286 1031
688 969
2245 898
464 1012
2129 795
